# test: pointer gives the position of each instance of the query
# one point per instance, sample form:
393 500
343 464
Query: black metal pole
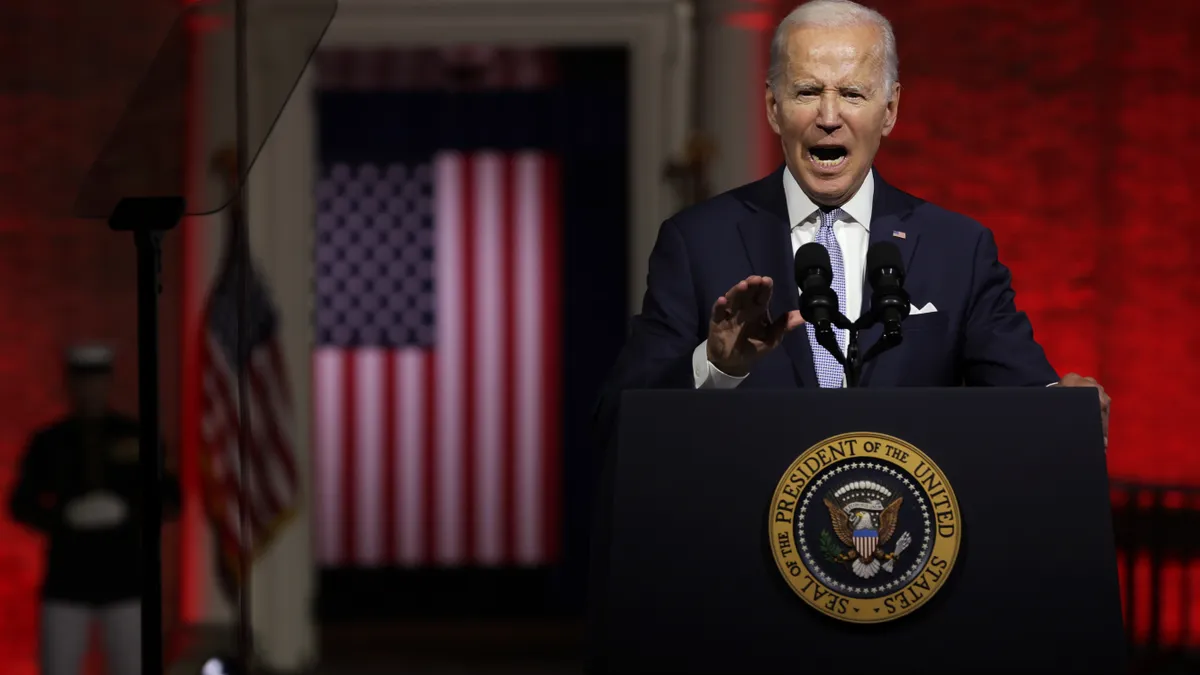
148 218
242 257
245 545
149 268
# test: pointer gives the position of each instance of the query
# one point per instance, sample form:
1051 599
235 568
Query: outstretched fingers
746 302
782 325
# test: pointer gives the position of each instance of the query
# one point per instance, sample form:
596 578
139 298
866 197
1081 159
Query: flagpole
242 256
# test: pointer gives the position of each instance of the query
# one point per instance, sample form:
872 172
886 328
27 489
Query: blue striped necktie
829 371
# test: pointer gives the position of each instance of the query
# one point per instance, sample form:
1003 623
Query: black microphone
814 274
889 301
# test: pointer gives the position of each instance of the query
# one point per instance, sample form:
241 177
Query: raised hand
741 330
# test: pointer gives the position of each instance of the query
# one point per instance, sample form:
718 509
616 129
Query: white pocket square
927 309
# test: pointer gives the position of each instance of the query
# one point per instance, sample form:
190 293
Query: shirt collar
801 208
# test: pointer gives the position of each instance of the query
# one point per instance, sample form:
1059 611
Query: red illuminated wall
1070 128
65 67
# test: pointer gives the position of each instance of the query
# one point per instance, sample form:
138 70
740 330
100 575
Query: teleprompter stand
149 218
138 184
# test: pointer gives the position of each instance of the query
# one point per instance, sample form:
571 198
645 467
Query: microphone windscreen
882 255
813 256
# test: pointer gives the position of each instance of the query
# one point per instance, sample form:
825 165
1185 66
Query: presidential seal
864 527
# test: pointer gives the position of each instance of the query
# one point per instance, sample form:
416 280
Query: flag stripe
451 272
529 361
349 450
436 453
368 454
509 358
271 487
222 494
228 463
411 365
551 362
327 392
488 386
277 485
429 514
470 322
389 475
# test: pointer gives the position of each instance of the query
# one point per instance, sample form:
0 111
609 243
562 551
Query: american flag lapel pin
899 235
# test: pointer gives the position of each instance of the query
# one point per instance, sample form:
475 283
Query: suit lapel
766 235
890 211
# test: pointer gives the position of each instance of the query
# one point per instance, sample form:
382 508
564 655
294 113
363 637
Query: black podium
693 570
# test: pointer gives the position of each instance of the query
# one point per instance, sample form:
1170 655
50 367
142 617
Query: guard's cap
90 357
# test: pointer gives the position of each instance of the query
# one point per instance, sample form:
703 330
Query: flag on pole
271 491
436 395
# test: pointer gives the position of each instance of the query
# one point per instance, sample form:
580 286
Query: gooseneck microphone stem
820 307
853 362
884 343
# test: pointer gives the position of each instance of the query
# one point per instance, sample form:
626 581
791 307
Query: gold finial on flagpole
225 164
689 171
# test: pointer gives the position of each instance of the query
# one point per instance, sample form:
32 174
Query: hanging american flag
272 491
436 372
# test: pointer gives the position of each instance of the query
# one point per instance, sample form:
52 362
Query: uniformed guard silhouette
79 486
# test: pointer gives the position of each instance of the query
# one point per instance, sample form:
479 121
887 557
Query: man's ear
772 108
893 110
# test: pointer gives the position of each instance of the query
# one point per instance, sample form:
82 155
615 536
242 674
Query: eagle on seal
865 527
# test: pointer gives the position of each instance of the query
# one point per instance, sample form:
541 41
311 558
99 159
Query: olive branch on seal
829 547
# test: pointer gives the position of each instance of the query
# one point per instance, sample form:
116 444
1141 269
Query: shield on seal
865 542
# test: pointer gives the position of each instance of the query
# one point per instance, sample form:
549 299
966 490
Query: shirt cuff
708 376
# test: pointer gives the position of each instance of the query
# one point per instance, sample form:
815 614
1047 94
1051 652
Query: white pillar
282 581
730 79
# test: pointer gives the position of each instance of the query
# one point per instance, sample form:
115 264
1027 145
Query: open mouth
828 156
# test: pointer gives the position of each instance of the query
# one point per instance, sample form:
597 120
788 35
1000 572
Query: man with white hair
721 301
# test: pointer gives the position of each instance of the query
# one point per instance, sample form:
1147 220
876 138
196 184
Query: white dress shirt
853 233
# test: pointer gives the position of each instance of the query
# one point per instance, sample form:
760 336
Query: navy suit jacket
976 337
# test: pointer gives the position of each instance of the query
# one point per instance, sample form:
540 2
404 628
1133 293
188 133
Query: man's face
830 108
89 393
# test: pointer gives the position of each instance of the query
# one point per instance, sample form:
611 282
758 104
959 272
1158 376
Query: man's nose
829 117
